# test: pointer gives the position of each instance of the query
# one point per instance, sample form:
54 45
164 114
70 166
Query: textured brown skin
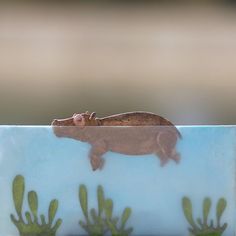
132 133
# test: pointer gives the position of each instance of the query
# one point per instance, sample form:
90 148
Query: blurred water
55 167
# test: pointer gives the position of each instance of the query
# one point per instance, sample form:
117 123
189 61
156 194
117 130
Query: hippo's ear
87 113
92 116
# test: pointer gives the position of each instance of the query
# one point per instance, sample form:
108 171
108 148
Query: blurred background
175 58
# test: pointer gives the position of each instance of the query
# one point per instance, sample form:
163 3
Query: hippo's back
132 119
137 118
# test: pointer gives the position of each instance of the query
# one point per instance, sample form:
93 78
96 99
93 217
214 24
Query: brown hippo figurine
131 133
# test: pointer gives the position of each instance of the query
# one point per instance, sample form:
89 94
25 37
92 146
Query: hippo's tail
166 122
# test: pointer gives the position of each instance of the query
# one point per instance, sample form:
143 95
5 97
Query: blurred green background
175 58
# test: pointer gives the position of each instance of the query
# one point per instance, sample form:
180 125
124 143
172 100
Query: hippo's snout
55 122
56 127
63 122
61 126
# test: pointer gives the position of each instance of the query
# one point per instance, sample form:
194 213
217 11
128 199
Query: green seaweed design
202 227
32 226
101 221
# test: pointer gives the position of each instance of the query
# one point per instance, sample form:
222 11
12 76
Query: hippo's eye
78 117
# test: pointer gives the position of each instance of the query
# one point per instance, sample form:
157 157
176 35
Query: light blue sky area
55 167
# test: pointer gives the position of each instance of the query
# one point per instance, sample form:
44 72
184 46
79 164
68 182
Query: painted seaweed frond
101 221
32 224
202 227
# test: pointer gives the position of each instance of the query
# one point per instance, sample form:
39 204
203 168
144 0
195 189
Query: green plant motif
101 221
202 227
31 225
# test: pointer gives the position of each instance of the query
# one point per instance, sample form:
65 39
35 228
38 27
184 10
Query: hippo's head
67 127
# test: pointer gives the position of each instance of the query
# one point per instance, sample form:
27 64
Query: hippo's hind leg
95 155
166 141
162 156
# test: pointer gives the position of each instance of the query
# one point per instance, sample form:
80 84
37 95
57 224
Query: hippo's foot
176 157
164 161
96 162
164 158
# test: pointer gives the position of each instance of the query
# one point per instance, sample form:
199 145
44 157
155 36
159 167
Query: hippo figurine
131 133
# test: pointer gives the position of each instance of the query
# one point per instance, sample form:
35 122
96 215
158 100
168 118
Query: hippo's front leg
96 152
